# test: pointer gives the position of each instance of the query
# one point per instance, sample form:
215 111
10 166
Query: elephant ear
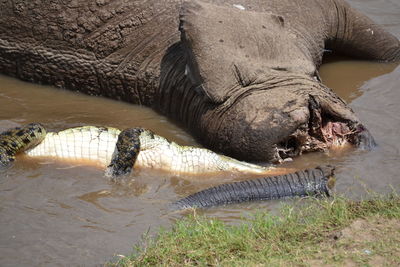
228 48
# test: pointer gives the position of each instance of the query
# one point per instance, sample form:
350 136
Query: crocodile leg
126 152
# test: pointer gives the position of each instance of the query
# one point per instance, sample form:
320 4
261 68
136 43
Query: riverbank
313 232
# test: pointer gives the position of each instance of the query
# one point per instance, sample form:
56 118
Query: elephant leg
354 34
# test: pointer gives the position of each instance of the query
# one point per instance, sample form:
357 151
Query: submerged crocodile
121 151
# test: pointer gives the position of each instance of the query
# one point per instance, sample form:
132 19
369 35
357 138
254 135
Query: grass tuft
320 232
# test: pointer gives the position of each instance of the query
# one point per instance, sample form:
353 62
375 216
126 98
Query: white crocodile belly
78 144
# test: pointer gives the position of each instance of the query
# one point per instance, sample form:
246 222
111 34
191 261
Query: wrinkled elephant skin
244 79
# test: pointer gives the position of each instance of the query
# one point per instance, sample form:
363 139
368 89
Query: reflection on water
345 75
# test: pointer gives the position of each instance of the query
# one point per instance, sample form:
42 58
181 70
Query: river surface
57 213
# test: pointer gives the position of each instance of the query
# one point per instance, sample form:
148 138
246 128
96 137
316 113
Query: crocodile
118 151
121 151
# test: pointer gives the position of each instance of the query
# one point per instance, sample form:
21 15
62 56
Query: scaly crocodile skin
103 145
19 139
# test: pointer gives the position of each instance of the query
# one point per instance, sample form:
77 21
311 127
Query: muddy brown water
55 213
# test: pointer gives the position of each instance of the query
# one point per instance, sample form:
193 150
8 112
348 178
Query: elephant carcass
243 78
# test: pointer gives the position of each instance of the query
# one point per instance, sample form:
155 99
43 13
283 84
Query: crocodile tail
310 182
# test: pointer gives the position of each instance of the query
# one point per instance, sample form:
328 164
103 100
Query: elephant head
251 87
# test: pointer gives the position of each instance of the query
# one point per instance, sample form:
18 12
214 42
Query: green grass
329 231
